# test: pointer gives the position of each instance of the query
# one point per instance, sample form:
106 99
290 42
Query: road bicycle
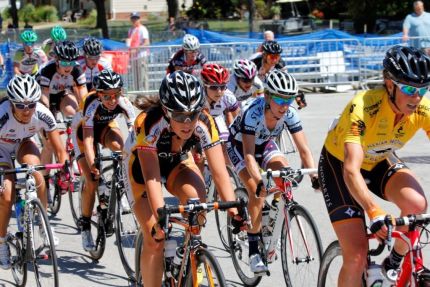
288 147
287 228
54 191
412 271
117 218
193 265
33 245
212 196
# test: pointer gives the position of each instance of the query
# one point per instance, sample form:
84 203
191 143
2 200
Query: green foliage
26 13
45 13
90 20
6 13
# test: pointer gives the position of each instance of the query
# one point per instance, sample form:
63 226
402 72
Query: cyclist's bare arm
248 142
16 70
80 92
60 151
231 115
88 140
44 99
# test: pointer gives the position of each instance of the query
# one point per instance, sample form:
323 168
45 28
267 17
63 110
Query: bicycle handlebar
196 207
31 168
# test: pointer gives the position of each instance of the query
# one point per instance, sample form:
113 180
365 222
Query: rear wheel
330 265
44 265
19 265
99 236
208 271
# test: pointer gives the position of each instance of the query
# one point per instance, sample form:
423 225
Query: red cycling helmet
214 74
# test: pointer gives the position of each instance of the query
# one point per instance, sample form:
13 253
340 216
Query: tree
101 18
14 13
172 7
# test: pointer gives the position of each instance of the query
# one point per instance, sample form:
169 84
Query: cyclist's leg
69 105
89 190
112 138
7 198
28 153
347 218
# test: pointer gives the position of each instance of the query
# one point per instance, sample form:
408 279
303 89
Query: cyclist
245 85
28 59
63 87
251 145
92 63
96 125
358 159
58 34
167 129
22 116
188 58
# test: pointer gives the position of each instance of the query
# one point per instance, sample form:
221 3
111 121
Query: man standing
417 24
138 34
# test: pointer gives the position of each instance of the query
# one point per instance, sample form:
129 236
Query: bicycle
288 147
54 191
117 218
25 245
412 271
212 196
290 230
198 266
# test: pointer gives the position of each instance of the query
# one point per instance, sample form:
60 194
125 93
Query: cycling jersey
30 63
252 122
368 120
256 90
48 48
59 84
258 60
227 103
102 64
178 60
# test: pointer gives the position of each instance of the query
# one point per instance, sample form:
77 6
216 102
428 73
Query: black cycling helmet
181 92
271 47
107 80
66 50
407 65
92 47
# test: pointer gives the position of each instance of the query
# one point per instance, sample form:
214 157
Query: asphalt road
78 270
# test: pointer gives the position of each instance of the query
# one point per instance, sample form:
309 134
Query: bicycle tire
288 147
39 213
305 236
75 202
221 224
55 204
212 268
137 252
126 228
19 266
332 251
238 244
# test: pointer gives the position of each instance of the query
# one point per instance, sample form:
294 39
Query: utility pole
251 17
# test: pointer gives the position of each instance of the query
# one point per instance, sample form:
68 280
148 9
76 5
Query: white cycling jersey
228 103
30 63
257 90
102 64
50 78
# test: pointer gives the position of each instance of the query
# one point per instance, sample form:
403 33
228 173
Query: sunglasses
21 106
108 97
281 101
66 63
183 117
30 44
217 87
273 57
411 90
247 80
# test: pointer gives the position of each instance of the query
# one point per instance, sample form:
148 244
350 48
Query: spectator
417 24
268 36
138 34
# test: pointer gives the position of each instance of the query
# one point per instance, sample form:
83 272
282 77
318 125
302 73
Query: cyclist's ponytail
146 103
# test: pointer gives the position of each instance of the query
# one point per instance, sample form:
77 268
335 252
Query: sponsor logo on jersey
48 120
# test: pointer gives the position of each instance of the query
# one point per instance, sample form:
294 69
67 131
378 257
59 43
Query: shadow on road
416 159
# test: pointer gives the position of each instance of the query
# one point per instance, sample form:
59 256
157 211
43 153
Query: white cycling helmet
245 69
190 42
281 83
23 88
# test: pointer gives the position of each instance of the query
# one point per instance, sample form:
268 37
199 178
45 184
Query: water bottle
374 278
176 266
169 253
104 193
19 210
273 213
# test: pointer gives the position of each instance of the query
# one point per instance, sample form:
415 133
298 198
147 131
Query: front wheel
19 265
301 248
54 196
75 199
208 271
137 253
330 265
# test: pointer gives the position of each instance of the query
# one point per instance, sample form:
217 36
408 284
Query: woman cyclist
58 34
251 146
269 59
92 63
96 124
358 159
28 59
22 116
188 58
166 131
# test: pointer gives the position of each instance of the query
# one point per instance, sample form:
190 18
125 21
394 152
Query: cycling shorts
100 132
8 149
339 202
263 154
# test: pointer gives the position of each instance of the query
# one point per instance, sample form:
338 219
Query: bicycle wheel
238 244
208 270
288 147
126 228
44 265
301 249
54 196
137 252
330 265
19 265
221 216
75 199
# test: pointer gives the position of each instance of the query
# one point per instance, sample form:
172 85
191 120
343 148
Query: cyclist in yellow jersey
166 131
359 157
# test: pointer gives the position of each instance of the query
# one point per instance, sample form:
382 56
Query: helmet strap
268 107
392 97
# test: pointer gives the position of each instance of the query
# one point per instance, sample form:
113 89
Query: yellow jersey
368 120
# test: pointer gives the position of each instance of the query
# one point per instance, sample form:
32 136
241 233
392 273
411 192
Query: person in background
188 58
138 35
268 36
417 24
28 59
58 34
